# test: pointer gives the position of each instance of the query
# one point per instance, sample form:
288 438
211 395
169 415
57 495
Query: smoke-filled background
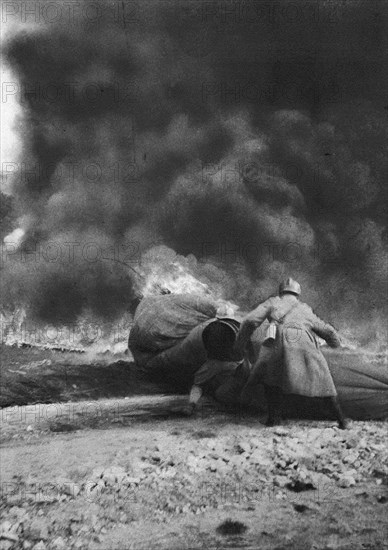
244 141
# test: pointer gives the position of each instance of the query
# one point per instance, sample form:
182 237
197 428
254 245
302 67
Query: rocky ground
122 473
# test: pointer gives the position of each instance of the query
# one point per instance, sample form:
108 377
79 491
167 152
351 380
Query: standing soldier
290 360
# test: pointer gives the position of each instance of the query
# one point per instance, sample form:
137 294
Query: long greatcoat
294 362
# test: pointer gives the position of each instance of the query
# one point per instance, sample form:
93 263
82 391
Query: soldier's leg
229 389
274 397
336 407
250 386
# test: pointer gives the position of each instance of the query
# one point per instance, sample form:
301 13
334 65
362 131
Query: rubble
6 532
39 529
59 543
290 460
294 466
346 480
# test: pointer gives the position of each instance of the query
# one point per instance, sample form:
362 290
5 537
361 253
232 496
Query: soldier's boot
342 423
274 397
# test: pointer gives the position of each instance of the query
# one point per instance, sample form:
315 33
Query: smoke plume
247 137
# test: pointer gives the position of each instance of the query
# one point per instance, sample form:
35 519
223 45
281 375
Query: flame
174 279
94 336
88 334
15 238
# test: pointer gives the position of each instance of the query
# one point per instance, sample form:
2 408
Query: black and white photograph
194 275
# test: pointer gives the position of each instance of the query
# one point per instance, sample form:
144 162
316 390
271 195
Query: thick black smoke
250 134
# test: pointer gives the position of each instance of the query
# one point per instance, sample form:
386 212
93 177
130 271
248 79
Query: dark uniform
223 380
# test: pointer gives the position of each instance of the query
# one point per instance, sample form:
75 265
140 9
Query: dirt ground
125 470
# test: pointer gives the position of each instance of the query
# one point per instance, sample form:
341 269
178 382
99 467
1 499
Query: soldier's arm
249 324
195 395
203 375
325 331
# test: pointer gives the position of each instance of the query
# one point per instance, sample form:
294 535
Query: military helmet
289 285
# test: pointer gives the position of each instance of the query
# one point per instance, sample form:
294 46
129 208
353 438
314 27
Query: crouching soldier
223 375
222 380
290 360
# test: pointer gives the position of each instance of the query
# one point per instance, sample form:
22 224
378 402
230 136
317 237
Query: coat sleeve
250 323
325 331
205 373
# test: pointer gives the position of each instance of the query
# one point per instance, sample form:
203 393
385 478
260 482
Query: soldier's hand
188 410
